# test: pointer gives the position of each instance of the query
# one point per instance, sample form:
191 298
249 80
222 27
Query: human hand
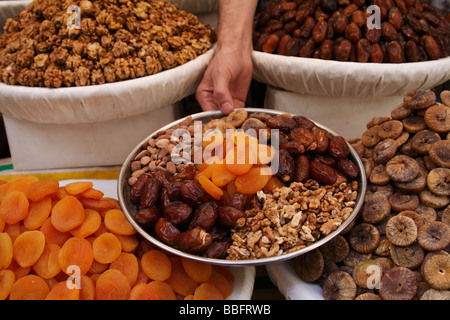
226 80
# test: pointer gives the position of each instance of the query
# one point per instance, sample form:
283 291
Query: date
322 173
194 240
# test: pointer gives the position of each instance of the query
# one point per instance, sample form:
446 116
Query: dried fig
379 175
376 208
437 118
438 181
414 123
364 238
409 257
309 266
422 141
445 97
390 129
237 117
403 201
432 200
400 112
384 151
434 236
336 250
398 283
402 168
436 271
419 99
339 285
439 153
401 230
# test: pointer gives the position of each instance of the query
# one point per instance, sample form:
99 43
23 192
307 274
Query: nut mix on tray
398 247
408 30
113 41
264 185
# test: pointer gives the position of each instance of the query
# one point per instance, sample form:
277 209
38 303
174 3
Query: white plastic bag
352 79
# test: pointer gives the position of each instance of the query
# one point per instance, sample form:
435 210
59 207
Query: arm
226 80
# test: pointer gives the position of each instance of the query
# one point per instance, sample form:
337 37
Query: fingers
222 95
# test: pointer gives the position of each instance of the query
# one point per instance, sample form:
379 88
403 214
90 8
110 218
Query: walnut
120 49
59 55
53 77
152 65
97 77
290 219
94 51
168 60
82 76
41 61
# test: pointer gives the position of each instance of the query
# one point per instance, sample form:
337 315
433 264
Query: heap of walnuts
114 40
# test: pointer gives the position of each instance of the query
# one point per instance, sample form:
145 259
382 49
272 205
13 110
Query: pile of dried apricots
72 243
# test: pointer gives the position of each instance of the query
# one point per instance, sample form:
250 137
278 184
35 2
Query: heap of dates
409 30
176 209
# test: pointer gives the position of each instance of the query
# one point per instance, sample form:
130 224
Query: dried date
231 217
286 166
322 173
353 32
301 168
281 122
147 217
178 212
338 148
347 168
192 193
218 250
194 240
305 137
363 50
166 231
205 216
150 193
138 187
342 49
319 32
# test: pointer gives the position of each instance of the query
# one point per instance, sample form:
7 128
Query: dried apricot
213 190
220 282
179 280
143 291
22 183
30 287
207 291
41 189
87 290
7 278
47 265
240 161
112 285
6 250
128 264
78 187
90 225
28 247
61 291
14 207
221 176
198 271
156 265
52 235
106 248
163 290
76 252
117 223
38 212
253 180
67 214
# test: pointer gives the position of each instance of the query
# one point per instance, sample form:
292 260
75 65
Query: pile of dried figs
398 247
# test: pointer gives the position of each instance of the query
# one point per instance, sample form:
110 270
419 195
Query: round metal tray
130 208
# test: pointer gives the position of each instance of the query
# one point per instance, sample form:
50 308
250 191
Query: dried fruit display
399 244
234 204
408 31
101 252
48 45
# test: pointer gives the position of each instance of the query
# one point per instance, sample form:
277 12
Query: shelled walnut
115 41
